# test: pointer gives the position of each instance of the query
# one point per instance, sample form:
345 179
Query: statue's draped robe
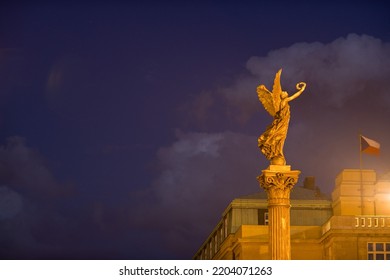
271 142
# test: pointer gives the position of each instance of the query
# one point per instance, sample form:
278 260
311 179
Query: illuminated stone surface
321 228
278 181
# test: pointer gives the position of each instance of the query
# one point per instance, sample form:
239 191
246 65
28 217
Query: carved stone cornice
278 182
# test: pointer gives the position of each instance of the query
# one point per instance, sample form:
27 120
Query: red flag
369 146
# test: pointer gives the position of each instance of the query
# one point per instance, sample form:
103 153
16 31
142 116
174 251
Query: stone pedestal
277 181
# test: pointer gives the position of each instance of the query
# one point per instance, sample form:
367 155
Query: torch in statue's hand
301 86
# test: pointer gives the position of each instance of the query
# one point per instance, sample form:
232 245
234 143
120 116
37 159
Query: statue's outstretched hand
301 86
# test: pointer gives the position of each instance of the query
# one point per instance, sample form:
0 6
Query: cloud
30 199
200 174
335 72
202 171
347 92
10 203
24 169
199 108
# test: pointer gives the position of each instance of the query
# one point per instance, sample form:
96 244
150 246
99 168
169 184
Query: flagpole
361 174
372 147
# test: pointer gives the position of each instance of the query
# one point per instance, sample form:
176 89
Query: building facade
352 224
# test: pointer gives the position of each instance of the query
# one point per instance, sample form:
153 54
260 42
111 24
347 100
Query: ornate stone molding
278 182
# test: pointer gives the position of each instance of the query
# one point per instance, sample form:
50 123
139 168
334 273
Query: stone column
277 181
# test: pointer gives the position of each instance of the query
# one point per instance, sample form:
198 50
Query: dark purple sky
126 129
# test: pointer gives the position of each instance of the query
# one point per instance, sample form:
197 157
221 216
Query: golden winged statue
271 142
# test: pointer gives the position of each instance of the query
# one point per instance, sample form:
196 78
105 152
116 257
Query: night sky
127 128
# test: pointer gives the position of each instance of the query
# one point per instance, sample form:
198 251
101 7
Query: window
378 251
262 217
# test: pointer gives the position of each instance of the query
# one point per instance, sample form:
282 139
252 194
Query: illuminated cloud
335 72
200 174
347 92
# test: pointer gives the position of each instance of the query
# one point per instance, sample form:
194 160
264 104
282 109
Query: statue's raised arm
300 87
271 142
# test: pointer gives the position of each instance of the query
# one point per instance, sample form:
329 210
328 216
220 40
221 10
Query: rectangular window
380 256
379 247
260 216
378 251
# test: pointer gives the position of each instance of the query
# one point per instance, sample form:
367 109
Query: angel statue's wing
277 91
266 98
271 100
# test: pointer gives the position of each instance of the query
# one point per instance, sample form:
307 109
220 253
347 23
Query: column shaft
278 181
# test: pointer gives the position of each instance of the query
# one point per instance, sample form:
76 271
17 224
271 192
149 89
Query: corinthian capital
278 183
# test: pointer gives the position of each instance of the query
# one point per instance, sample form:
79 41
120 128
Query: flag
369 146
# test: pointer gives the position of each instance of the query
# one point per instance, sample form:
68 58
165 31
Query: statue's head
284 94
